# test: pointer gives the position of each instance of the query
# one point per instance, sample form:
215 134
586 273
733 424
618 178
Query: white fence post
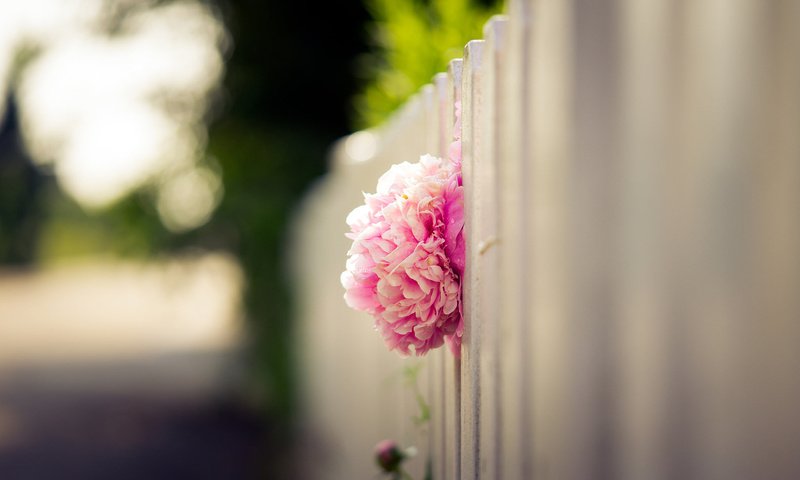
648 383
452 372
488 246
472 116
439 439
516 455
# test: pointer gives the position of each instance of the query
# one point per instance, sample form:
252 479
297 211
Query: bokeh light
117 102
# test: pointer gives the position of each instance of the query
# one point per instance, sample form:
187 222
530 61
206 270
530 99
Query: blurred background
152 154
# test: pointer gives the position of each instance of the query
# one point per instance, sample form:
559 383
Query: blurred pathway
126 371
64 430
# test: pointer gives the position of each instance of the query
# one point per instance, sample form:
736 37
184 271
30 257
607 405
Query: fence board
427 434
452 372
488 246
647 415
592 167
472 116
774 359
516 453
546 156
438 357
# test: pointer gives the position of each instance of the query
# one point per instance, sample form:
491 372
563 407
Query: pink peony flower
407 258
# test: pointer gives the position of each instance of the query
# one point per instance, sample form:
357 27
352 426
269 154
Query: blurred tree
289 84
21 207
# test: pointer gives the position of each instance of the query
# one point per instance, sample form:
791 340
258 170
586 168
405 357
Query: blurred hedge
412 40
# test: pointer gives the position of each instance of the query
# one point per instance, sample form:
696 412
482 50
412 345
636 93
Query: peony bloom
407 258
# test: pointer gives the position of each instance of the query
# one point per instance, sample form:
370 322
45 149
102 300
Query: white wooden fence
632 294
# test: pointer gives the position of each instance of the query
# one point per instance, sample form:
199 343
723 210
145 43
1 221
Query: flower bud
388 455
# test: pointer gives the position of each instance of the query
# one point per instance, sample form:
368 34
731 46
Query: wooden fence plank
773 333
546 153
439 408
592 168
474 192
515 402
488 246
648 417
428 432
452 371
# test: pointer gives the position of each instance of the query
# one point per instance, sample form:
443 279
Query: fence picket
648 416
452 372
436 95
516 453
472 116
489 246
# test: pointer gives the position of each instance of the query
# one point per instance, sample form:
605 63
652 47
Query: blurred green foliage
412 41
